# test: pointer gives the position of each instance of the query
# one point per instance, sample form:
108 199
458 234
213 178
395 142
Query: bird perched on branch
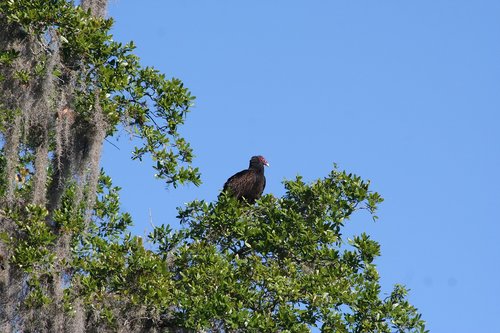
248 184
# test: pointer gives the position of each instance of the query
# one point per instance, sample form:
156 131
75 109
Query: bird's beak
266 164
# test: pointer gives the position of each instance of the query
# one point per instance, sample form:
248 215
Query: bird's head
258 160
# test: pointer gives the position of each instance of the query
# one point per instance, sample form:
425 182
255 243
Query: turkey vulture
248 184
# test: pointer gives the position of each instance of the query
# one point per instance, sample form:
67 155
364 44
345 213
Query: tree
67 261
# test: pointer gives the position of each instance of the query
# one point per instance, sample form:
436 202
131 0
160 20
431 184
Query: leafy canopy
71 264
95 68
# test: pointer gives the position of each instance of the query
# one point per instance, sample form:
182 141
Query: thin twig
151 219
111 143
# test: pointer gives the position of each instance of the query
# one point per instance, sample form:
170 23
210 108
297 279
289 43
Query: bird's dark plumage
250 183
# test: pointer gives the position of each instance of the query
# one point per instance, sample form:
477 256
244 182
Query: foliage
67 259
283 264
280 265
151 107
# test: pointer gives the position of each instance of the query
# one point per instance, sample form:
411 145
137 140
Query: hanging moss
64 86
44 107
15 96
64 120
11 151
96 7
93 157
64 146
75 322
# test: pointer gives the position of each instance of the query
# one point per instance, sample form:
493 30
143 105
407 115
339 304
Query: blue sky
404 93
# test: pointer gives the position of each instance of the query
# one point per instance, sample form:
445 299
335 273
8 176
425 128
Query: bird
250 183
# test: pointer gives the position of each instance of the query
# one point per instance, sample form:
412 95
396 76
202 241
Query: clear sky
404 93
